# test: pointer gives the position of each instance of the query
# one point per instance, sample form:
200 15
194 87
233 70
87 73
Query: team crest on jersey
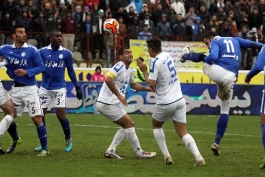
23 54
61 56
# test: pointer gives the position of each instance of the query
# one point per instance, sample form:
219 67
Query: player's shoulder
43 49
32 47
5 46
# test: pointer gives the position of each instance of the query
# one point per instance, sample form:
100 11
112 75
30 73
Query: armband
111 74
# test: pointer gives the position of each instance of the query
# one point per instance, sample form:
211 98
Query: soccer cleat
184 51
262 166
68 145
169 160
14 145
145 155
38 149
43 153
112 155
215 149
200 163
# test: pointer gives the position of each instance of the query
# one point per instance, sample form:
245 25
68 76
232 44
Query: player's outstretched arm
249 44
139 87
39 66
259 66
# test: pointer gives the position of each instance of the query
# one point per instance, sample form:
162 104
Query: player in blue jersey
23 64
259 66
221 66
53 87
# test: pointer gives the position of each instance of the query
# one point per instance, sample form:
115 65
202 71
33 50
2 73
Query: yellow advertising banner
139 49
185 76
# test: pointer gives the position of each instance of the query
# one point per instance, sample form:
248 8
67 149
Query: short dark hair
154 43
15 27
53 31
122 49
209 34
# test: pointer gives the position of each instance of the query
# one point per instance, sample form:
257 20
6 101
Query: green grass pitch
241 149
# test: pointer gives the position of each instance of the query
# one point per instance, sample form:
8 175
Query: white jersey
162 69
122 76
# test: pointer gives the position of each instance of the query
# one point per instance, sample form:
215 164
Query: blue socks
263 135
66 128
12 130
41 129
221 127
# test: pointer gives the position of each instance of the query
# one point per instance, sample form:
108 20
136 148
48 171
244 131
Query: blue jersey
55 63
259 66
27 58
226 52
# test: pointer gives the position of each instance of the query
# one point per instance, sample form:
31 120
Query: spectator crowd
172 20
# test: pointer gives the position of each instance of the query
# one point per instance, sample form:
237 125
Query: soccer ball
111 26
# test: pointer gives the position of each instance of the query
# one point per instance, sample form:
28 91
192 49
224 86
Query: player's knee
224 94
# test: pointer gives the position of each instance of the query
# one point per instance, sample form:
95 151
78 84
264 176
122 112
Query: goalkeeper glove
79 94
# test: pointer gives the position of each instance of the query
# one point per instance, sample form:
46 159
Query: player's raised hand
122 100
20 72
141 65
247 81
79 93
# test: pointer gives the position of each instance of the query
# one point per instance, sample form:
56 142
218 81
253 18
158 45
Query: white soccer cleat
169 160
200 163
184 51
112 155
145 155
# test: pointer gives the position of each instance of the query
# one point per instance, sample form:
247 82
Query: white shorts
224 79
114 112
58 97
4 95
26 96
262 108
175 110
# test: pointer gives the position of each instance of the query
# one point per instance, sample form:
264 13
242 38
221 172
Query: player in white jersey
163 78
7 105
108 104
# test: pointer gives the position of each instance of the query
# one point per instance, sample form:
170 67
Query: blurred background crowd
81 21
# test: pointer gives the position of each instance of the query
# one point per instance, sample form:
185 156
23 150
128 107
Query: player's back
229 52
163 70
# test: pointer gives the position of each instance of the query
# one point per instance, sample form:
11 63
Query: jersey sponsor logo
54 64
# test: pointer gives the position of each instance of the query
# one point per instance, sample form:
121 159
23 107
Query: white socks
191 145
5 123
161 141
132 138
119 136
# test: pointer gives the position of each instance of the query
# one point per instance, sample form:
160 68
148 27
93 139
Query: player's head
208 37
55 37
125 55
98 69
154 46
18 34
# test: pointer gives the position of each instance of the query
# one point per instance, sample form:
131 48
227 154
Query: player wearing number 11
163 78
221 66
